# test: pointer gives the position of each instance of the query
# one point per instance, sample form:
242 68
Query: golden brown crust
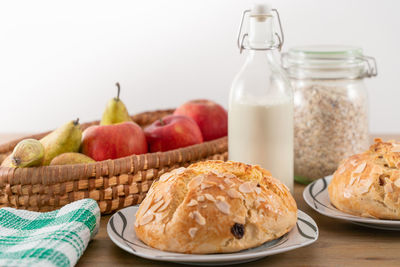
214 207
368 184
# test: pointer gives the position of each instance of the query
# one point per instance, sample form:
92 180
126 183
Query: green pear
27 153
7 162
115 111
71 158
66 138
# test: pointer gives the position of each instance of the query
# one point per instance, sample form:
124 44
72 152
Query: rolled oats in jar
330 106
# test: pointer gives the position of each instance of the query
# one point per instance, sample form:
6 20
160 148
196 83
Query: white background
60 59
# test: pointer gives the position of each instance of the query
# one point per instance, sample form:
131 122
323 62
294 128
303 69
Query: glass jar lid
329 61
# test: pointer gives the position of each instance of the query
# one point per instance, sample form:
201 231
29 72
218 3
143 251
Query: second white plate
317 197
120 228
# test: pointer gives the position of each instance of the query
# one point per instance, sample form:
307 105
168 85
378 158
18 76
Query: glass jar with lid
330 106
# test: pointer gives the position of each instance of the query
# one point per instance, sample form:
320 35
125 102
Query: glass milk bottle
261 100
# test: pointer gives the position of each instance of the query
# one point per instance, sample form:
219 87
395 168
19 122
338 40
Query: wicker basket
114 184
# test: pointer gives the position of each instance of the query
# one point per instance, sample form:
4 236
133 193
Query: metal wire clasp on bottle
241 38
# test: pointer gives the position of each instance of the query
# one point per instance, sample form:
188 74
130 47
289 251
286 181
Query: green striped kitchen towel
56 238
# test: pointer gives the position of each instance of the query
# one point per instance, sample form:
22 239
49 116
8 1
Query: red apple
101 142
172 132
211 117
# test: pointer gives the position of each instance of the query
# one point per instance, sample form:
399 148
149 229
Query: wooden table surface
339 244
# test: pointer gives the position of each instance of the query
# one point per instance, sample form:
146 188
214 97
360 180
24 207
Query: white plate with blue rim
120 229
317 197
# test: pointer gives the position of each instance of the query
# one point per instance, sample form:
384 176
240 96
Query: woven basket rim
110 167
182 149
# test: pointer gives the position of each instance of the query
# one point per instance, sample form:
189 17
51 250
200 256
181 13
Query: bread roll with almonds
215 207
368 184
